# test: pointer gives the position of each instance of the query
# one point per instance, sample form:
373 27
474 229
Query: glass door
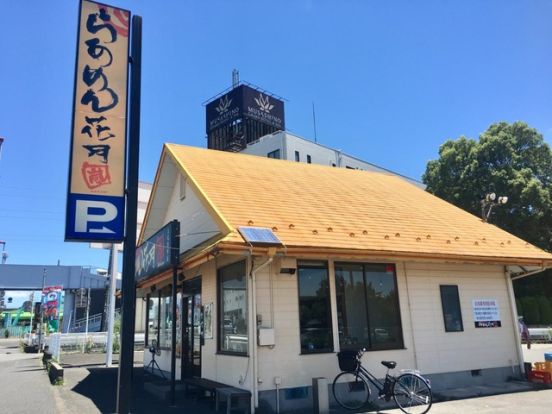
192 333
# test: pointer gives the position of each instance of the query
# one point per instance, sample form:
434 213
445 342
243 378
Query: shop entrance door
192 332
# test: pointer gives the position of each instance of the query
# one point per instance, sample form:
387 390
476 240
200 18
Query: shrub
531 309
545 310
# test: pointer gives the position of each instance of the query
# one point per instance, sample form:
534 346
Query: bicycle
411 391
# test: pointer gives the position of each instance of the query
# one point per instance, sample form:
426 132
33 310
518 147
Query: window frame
220 311
301 263
274 154
457 291
397 302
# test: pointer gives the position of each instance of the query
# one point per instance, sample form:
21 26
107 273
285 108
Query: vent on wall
182 187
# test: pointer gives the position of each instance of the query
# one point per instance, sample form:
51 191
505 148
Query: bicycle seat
389 364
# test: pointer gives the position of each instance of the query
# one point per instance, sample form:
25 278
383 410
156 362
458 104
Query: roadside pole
87 316
41 310
126 356
111 306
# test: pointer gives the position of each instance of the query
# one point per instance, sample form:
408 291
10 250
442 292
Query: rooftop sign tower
242 115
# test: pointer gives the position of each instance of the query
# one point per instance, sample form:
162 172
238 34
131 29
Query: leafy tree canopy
508 159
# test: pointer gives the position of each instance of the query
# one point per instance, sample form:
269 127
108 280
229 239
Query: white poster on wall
486 313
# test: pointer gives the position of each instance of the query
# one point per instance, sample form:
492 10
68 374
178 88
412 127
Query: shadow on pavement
100 386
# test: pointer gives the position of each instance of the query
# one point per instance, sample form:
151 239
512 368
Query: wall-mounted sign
245 101
96 191
159 252
486 313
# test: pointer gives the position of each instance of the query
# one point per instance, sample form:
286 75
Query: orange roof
318 207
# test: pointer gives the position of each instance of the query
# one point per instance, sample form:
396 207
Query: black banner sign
245 101
488 324
159 252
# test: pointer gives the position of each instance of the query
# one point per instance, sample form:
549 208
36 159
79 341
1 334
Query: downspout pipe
253 354
513 310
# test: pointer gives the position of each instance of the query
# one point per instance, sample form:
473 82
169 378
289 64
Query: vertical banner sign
51 302
96 192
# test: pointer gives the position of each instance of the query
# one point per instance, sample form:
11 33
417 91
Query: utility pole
41 310
111 306
87 316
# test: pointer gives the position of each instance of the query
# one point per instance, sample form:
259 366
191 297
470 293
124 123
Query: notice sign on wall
96 195
486 313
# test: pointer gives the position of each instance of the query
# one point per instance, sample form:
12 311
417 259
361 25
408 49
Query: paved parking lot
530 402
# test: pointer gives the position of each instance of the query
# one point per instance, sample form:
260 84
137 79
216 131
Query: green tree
507 159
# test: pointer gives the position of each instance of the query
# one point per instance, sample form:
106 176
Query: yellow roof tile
316 206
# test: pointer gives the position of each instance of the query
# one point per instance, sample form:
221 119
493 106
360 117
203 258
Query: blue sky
391 81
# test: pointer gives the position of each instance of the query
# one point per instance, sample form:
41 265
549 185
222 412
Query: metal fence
59 343
15 331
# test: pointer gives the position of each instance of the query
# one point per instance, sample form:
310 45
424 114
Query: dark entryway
192 332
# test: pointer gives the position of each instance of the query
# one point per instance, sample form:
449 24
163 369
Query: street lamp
489 202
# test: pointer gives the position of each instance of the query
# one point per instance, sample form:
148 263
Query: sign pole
126 359
111 306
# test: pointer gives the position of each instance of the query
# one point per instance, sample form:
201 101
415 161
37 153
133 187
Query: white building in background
286 146
144 192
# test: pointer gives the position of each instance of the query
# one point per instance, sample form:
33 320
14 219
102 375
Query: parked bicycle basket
348 360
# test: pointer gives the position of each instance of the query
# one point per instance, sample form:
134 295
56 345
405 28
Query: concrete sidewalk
24 385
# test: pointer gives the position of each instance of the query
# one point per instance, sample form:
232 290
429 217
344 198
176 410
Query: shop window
314 307
153 319
274 154
368 312
232 320
165 318
452 314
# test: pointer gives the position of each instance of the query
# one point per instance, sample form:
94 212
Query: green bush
545 310
531 309
519 307
116 344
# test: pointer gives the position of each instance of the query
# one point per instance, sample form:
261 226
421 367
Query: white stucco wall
474 348
427 346
196 224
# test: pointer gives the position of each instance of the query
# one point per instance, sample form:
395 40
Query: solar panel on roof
259 235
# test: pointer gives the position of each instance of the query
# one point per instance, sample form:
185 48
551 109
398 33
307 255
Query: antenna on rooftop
314 122
235 78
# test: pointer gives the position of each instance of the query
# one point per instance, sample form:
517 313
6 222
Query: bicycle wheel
412 394
351 390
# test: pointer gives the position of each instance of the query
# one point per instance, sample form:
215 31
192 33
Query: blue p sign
95 218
